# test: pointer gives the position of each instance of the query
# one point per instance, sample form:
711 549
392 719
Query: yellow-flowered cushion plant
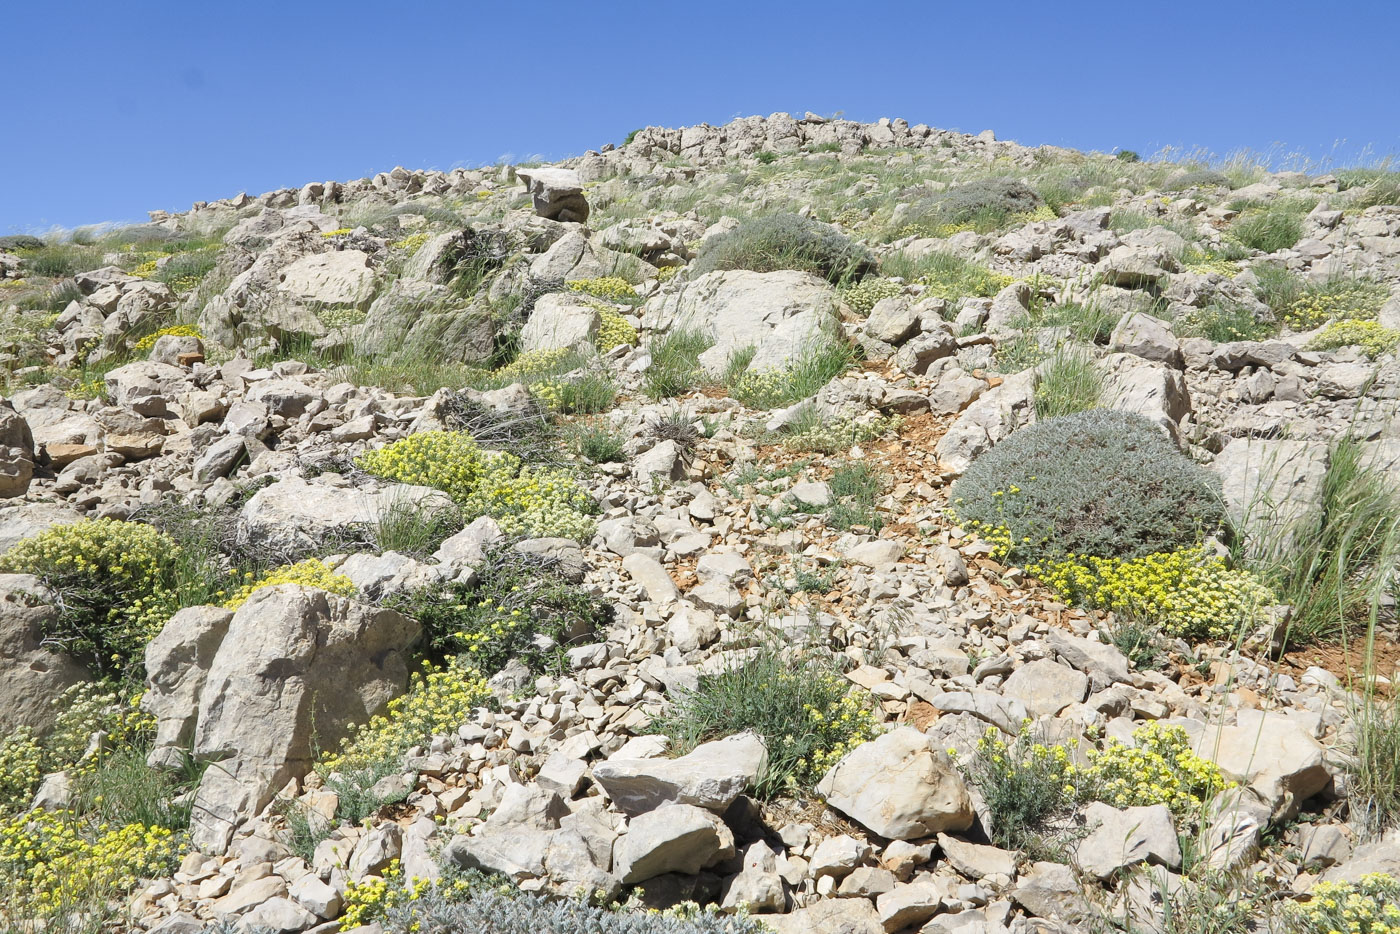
313 572
864 295
523 500
1159 768
612 288
1358 299
1372 337
1371 905
411 243
86 709
20 770
615 331
177 330
1188 592
117 579
56 860
438 702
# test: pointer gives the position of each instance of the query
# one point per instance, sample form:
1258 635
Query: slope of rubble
457 489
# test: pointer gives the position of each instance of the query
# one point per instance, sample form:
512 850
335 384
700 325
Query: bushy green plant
1270 230
1222 323
1127 155
1197 178
521 606
675 364
1370 905
312 572
523 500
1340 298
599 444
1071 382
585 394
806 713
1098 483
471 258
115 583
982 205
863 295
766 157
1027 785
785 241
801 377
946 276
1372 337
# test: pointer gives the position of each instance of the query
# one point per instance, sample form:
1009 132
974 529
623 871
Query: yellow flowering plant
615 331
863 295
611 288
115 581
313 572
1337 300
1370 905
1372 337
145 344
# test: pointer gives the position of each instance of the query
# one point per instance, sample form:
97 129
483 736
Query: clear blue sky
112 109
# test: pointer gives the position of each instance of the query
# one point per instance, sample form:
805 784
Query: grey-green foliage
985 203
1199 178
520 913
786 241
1270 230
1101 483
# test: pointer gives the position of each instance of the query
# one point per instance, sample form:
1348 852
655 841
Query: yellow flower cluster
93 388
667 273
411 243
1196 260
176 330
368 900
313 572
88 709
1159 769
978 281
126 567
839 727
338 232
1372 337
1052 764
1357 299
841 435
1189 592
53 860
1043 213
1370 905
145 269
862 296
522 500
19 769
438 701
611 288
762 389
615 331
532 364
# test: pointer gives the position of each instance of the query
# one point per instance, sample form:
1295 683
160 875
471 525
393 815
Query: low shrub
1099 483
1372 337
1370 905
815 434
863 295
982 205
1338 299
946 276
312 572
611 288
520 607
114 581
523 500
1222 323
785 241
20 769
1187 592
1159 767
581 395
439 700
1028 787
806 713
1269 230
1197 178
599 444
800 378
471 258
1127 155
615 331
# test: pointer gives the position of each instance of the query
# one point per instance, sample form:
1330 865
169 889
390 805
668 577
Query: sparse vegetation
785 241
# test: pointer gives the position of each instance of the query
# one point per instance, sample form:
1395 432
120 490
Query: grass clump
855 489
1270 230
599 444
946 276
785 241
799 379
804 710
1222 324
414 529
523 500
675 364
1372 337
1098 483
586 394
1334 564
1070 383
1027 785
1375 768
115 585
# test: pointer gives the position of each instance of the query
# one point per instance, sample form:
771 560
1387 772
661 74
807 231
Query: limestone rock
899 786
711 776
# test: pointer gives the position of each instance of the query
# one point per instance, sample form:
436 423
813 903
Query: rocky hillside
794 525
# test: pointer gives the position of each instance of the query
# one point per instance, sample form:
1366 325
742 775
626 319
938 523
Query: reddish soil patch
1347 659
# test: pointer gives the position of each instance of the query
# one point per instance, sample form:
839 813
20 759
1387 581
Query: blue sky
116 108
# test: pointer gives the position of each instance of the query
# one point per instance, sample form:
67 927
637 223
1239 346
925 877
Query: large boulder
1155 391
995 414
28 519
16 452
899 786
711 776
414 315
557 193
32 675
779 314
293 515
672 838
1270 487
293 671
561 321
1273 755
343 277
